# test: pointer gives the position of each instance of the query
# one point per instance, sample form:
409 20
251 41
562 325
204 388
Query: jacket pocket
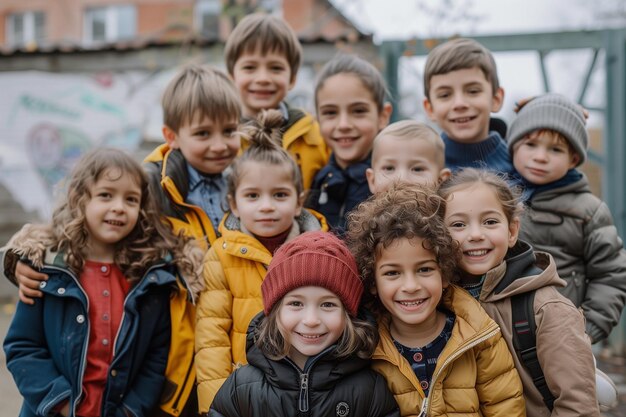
168 391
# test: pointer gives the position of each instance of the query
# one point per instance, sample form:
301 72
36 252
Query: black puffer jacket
327 388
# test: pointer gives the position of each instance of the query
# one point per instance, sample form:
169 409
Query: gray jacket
577 229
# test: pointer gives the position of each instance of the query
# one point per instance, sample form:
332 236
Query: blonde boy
407 151
263 56
462 90
201 112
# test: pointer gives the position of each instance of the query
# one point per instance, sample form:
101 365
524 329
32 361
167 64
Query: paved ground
10 399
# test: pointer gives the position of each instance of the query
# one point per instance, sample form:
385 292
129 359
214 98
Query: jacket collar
327 369
523 270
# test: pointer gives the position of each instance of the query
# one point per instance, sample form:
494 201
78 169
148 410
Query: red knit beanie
317 259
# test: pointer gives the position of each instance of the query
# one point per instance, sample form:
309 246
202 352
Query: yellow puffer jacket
475 375
303 140
234 269
169 184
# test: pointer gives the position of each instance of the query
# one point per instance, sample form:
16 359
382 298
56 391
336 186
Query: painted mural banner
47 121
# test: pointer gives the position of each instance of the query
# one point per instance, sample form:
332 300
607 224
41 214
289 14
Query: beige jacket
563 349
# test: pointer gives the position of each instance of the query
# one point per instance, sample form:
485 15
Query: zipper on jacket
303 400
452 357
183 385
424 408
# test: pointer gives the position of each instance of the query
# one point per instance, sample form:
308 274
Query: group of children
357 267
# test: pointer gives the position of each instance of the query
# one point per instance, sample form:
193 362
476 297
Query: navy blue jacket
335 191
46 345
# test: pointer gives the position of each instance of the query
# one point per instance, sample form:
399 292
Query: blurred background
78 74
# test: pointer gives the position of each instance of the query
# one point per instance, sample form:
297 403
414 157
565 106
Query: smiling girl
482 215
439 351
97 342
351 109
308 353
265 197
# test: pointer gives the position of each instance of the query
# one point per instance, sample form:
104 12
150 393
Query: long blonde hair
150 241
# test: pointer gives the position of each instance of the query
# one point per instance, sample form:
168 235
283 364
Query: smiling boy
201 111
263 56
462 90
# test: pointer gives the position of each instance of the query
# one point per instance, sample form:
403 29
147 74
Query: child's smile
349 118
476 220
311 319
461 103
111 213
409 284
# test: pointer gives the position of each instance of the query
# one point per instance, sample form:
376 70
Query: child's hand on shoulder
28 281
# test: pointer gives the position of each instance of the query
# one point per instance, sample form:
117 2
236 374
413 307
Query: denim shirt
209 193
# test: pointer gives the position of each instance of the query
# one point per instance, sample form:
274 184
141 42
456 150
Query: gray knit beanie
554 112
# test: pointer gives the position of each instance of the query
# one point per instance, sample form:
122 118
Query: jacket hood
523 270
577 187
33 243
308 220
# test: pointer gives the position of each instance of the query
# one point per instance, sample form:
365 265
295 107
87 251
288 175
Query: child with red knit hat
308 352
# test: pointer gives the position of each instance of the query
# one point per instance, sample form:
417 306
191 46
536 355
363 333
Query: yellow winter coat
475 375
169 183
234 269
303 140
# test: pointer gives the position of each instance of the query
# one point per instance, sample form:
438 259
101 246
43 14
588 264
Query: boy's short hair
411 129
270 33
369 75
199 90
458 54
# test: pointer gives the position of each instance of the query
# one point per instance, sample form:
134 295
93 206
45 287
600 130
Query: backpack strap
525 342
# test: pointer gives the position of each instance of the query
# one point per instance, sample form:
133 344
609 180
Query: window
25 28
110 24
271 6
208 17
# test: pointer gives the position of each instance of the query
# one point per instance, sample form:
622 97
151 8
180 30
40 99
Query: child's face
409 160
310 319
209 146
263 80
409 284
349 118
111 213
461 103
542 157
475 218
266 200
